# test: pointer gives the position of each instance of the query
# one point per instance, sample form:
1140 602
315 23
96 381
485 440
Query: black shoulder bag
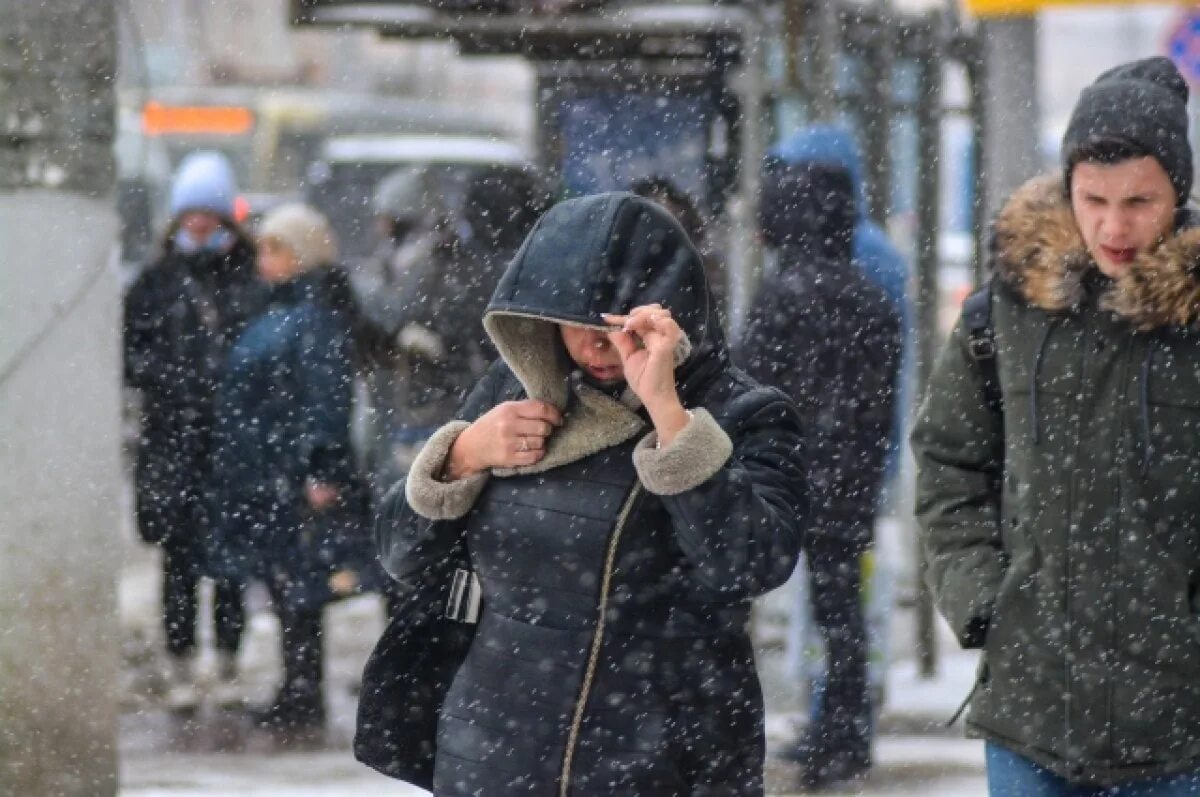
411 668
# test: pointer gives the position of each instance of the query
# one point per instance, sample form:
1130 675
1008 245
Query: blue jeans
1012 775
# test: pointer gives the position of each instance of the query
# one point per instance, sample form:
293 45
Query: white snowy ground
217 755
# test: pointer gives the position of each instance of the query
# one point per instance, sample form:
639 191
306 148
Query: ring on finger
524 445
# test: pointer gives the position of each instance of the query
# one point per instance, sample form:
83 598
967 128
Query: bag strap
981 342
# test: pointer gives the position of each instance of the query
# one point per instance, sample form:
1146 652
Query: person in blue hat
829 338
834 743
181 314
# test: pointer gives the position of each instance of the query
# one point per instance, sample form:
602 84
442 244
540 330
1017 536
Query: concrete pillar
59 401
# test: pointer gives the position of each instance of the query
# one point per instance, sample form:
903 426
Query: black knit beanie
1143 102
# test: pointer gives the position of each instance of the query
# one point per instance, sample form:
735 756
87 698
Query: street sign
1184 45
1009 8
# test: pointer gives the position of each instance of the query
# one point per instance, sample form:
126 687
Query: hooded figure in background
422 297
284 495
623 494
181 316
831 340
871 249
683 207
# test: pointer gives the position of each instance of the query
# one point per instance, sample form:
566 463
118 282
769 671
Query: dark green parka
1063 533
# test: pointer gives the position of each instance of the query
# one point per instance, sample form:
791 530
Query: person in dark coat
1059 516
680 204
423 295
284 470
625 495
181 316
827 336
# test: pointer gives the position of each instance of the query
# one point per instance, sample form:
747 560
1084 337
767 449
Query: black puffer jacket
283 409
612 655
831 339
181 316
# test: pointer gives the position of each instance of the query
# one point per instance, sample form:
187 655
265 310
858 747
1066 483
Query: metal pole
878 120
929 119
745 253
977 75
821 42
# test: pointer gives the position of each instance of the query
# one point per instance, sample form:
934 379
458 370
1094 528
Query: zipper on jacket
597 639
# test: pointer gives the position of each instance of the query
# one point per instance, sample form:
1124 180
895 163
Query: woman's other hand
647 340
510 435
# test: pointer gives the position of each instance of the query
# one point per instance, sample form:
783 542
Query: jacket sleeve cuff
427 495
695 455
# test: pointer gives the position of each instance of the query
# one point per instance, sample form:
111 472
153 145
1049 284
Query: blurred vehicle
271 136
342 182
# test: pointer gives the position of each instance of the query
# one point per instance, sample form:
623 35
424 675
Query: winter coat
181 316
831 340
873 251
1062 532
612 655
283 419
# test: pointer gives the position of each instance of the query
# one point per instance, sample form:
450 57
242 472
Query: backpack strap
981 342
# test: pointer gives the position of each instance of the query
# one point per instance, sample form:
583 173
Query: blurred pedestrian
680 204
872 250
830 339
834 145
422 296
623 494
181 316
284 478
1057 453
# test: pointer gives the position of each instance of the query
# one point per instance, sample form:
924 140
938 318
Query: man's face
1122 210
594 353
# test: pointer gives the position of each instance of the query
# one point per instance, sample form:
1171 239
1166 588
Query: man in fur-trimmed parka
1062 525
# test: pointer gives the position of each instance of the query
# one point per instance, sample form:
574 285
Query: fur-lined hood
598 254
1038 251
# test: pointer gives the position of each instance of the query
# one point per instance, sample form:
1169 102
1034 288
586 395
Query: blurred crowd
283 390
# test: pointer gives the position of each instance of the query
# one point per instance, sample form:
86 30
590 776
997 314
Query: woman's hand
646 340
510 435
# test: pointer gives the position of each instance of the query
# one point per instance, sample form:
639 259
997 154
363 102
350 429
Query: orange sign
158 119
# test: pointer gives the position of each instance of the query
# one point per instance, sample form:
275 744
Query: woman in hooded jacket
623 494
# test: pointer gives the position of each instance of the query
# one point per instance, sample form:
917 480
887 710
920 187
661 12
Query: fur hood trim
1039 252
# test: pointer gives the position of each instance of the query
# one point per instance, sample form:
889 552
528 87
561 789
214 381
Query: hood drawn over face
605 253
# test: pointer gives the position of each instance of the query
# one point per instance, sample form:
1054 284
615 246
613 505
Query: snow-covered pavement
217 753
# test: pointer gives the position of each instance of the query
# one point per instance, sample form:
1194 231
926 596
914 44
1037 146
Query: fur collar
1040 254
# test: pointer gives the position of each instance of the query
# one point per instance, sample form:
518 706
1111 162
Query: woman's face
594 353
276 261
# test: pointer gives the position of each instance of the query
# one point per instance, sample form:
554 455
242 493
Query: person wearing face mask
181 315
